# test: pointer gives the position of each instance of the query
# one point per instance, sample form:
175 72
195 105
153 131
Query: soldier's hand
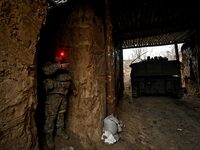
75 92
65 65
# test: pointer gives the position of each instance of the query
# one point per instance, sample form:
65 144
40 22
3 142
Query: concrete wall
20 23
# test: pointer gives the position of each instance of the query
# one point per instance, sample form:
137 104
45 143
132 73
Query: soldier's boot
49 140
61 132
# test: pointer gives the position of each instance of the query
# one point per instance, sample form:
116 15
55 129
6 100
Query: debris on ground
111 127
179 129
67 148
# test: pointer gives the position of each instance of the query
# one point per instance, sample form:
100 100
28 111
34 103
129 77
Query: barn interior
93 36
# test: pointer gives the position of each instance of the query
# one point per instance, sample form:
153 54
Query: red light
62 54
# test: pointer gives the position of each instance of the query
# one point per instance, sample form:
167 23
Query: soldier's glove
64 65
75 92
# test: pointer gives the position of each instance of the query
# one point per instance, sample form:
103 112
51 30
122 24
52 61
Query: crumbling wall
20 23
84 37
77 29
189 73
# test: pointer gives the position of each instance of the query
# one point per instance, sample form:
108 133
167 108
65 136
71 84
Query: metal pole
111 100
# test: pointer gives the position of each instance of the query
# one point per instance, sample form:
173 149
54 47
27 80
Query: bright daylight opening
138 54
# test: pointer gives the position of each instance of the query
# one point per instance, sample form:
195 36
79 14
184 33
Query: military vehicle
156 76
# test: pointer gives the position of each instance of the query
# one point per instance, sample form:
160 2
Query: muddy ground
152 123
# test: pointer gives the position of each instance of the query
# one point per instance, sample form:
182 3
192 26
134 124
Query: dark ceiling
141 23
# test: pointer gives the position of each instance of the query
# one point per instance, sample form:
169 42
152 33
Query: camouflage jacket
61 79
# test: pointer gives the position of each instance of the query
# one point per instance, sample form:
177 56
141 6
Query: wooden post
111 100
198 46
177 58
176 50
121 68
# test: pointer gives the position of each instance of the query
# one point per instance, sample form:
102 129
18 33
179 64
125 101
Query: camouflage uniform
57 86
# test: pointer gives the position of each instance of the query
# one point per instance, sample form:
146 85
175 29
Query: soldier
57 85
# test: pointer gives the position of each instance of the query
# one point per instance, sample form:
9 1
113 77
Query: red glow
62 54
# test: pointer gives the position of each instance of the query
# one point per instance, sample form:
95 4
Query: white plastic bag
110 125
109 137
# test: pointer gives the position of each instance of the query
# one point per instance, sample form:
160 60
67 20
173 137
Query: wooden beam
170 38
177 58
127 35
151 45
111 100
198 46
176 51
121 69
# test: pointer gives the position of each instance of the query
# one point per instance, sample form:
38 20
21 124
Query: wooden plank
197 35
121 69
111 100
150 45
176 51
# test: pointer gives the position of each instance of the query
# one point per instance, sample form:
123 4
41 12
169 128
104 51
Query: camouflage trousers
55 107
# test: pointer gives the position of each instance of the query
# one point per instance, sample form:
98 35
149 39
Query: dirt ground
152 123
160 123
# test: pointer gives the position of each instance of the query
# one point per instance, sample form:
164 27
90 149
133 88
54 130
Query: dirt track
154 123
158 123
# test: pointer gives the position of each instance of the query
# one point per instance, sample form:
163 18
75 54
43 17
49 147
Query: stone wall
189 73
77 29
20 23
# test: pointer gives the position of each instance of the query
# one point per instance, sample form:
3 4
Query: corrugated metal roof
151 22
165 39
148 23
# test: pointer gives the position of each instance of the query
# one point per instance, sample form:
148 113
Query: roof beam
127 35
153 44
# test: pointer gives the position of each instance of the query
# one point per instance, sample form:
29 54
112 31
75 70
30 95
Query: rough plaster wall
76 28
190 68
20 23
84 35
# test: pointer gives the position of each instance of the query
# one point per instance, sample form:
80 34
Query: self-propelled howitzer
156 76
